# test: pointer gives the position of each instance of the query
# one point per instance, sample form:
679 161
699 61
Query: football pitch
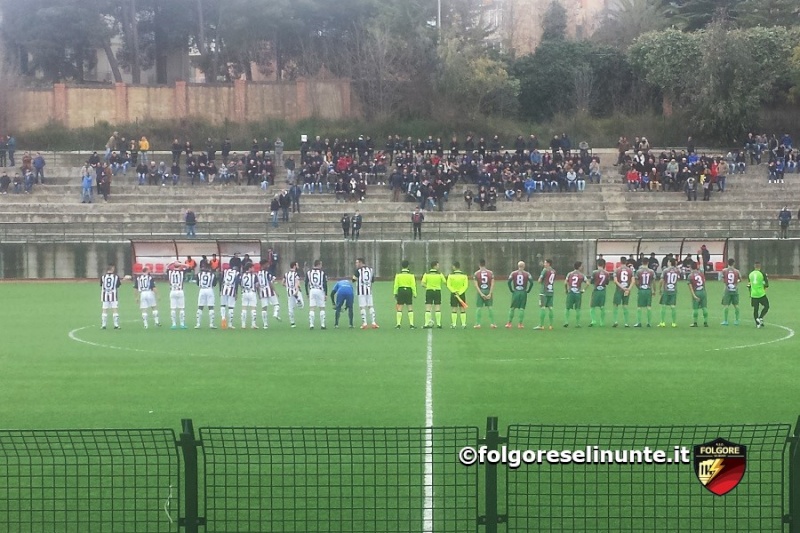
60 370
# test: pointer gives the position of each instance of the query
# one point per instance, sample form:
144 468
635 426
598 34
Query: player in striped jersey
669 291
484 283
146 296
206 280
109 295
317 291
228 288
249 284
364 276
266 291
292 282
177 301
623 279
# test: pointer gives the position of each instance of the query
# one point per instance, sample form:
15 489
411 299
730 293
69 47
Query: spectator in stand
279 150
176 151
38 167
111 146
417 218
622 149
5 182
294 194
632 178
144 150
285 203
190 220
289 165
141 173
356 221
346 224
722 174
594 171
274 207
691 188
18 184
784 217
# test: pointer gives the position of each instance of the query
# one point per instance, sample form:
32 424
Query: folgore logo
719 465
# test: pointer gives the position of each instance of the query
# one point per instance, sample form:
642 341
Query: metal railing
498 230
386 479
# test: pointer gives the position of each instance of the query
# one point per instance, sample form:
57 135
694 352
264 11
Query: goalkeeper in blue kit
342 295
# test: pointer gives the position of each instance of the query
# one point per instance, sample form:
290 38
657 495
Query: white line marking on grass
427 521
789 335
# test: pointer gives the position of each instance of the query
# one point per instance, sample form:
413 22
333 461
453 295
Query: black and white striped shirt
364 276
249 282
230 281
291 282
109 284
175 280
316 279
265 280
206 279
145 282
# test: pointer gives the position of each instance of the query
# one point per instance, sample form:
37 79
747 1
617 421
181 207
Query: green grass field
60 370
283 376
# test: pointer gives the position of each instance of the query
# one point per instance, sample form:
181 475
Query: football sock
705 315
736 312
616 313
649 315
663 313
211 317
694 315
155 318
478 314
182 317
725 314
364 316
276 311
541 316
322 317
144 319
427 317
264 317
311 318
372 314
521 315
463 319
578 316
550 314
199 316
230 315
510 315
411 318
453 319
755 312
602 316
103 320
674 314
625 314
399 317
244 318
491 315
639 315
115 316
566 316
592 315
438 318
174 316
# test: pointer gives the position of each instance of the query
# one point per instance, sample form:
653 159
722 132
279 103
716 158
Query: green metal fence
236 479
89 480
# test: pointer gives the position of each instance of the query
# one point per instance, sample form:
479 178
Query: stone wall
77 107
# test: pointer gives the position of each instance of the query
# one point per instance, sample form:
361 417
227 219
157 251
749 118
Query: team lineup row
258 290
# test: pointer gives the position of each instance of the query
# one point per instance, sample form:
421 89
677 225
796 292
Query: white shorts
249 299
227 301
296 301
176 300
269 300
147 299
206 298
110 305
365 300
316 298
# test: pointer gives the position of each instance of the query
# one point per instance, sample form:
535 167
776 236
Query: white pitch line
789 335
427 521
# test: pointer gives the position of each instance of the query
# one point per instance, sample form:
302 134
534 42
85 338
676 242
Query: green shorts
573 300
480 302
599 298
433 297
519 299
702 303
644 298
546 300
669 298
620 298
730 298
404 296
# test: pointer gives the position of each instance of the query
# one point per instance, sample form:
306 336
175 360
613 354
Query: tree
554 22
625 20
691 15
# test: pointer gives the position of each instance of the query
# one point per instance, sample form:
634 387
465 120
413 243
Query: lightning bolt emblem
710 469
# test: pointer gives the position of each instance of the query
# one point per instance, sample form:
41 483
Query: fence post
793 516
492 441
191 504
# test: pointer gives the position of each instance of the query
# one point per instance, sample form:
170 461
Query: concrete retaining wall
781 258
